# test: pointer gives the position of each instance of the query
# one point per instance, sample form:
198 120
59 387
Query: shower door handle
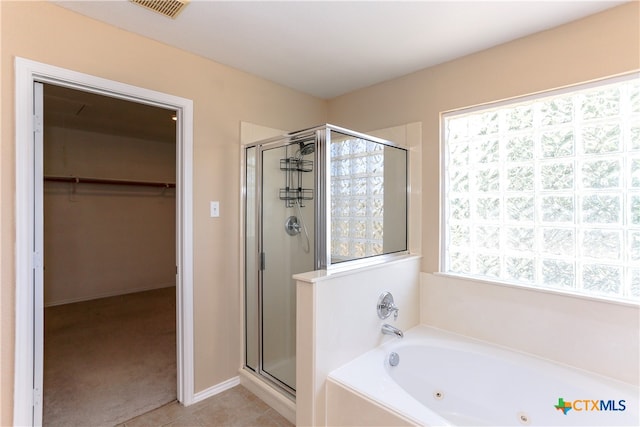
263 263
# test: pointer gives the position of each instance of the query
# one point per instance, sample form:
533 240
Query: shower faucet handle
386 305
395 310
292 226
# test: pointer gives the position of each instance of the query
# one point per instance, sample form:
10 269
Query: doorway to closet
109 206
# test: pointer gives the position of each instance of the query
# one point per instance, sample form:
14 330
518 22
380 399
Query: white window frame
443 182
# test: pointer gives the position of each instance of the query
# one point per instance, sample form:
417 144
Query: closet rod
78 180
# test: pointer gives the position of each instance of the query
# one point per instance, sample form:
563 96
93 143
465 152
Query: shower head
307 148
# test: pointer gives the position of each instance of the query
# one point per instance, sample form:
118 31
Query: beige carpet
110 359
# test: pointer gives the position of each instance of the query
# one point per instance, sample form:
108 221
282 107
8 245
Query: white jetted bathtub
447 379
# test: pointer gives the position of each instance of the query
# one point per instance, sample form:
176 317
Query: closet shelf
86 180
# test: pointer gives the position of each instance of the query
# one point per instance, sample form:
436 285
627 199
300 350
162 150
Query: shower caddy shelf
295 164
293 192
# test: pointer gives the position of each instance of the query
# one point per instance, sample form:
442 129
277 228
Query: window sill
559 292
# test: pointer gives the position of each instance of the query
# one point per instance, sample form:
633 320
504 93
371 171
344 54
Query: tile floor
236 407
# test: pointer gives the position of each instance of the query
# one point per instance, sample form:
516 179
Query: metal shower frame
321 136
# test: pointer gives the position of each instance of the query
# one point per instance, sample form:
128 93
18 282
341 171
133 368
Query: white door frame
29 347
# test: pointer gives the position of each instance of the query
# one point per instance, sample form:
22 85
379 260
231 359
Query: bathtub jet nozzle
394 359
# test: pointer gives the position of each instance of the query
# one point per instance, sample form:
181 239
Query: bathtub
446 379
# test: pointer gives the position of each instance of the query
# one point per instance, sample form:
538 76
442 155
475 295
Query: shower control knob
292 226
386 306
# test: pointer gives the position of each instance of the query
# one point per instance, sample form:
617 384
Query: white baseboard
108 294
218 388
282 404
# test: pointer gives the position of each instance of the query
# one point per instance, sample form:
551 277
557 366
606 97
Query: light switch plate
215 209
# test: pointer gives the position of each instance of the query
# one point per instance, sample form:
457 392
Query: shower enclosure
313 200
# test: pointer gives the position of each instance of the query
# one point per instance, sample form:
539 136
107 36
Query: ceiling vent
169 8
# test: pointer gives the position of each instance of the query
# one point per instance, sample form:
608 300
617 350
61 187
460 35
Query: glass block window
357 198
545 191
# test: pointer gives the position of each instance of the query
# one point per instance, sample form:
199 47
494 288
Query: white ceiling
328 48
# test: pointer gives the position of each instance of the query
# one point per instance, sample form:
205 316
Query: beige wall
598 46
222 98
103 240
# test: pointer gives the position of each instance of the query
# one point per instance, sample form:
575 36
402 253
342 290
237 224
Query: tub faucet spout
391 330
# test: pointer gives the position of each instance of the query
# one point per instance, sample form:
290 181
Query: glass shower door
287 248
